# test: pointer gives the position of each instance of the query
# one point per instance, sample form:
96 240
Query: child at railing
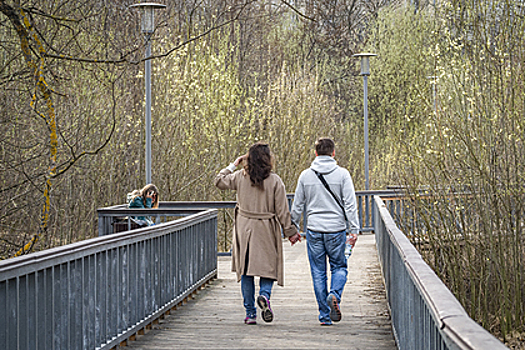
148 197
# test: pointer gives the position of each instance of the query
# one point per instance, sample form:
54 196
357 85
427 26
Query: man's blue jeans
320 246
248 292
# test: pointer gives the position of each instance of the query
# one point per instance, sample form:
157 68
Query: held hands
295 238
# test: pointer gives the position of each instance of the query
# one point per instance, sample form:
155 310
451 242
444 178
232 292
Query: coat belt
256 215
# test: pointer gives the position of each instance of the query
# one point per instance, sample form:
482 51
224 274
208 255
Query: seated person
148 197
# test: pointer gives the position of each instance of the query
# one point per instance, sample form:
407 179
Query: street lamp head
148 15
365 62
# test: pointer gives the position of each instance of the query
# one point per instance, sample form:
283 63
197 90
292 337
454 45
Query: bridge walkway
213 319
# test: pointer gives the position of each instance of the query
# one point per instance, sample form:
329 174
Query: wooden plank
214 318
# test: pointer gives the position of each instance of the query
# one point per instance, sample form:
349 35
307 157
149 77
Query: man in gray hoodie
326 225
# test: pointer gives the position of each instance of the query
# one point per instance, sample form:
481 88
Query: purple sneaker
250 320
264 304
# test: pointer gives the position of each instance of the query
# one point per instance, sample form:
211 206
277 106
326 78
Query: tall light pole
433 81
148 27
365 72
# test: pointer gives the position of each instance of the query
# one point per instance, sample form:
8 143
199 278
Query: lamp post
365 72
148 27
433 81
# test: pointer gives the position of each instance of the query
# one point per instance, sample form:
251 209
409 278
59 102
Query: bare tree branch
294 9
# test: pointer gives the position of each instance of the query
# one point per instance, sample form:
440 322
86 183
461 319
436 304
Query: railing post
305 222
359 200
367 210
373 213
101 226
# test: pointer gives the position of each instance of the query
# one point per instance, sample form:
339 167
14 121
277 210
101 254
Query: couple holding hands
325 192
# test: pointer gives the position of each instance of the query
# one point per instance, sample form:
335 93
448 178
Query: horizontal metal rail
425 314
96 293
108 216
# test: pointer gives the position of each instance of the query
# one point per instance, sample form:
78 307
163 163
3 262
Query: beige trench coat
257 247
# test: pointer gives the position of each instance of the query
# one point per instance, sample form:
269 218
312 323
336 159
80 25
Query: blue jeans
248 292
320 246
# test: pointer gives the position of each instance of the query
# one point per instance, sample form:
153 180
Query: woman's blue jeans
320 247
248 292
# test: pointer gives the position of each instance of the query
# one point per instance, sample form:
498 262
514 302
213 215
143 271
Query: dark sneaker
326 323
335 312
250 320
264 304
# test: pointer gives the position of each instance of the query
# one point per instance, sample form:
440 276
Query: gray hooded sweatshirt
320 208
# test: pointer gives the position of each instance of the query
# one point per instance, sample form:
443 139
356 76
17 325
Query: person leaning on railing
146 198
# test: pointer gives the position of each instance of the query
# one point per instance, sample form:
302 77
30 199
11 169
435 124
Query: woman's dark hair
259 163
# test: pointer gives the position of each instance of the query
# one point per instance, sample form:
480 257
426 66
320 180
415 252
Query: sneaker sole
335 312
266 313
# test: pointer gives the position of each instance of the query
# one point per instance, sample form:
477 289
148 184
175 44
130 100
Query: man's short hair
324 146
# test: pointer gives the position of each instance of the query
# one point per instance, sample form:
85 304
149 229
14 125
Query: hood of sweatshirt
324 164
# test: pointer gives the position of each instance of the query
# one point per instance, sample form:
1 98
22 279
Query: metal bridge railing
107 217
425 314
97 293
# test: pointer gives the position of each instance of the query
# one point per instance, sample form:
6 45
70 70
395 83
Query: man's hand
352 238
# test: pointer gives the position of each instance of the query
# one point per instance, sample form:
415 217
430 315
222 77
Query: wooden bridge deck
214 318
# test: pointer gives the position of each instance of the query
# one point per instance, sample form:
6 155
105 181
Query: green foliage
467 151
400 90
205 118
446 103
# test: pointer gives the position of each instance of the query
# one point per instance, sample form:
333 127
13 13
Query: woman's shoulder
241 174
136 202
274 178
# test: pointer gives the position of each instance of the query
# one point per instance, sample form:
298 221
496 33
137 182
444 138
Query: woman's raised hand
240 159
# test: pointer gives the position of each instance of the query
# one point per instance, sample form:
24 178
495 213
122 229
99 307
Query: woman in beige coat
261 211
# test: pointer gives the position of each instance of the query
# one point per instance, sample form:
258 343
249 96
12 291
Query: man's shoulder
338 175
306 172
340 170
344 170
